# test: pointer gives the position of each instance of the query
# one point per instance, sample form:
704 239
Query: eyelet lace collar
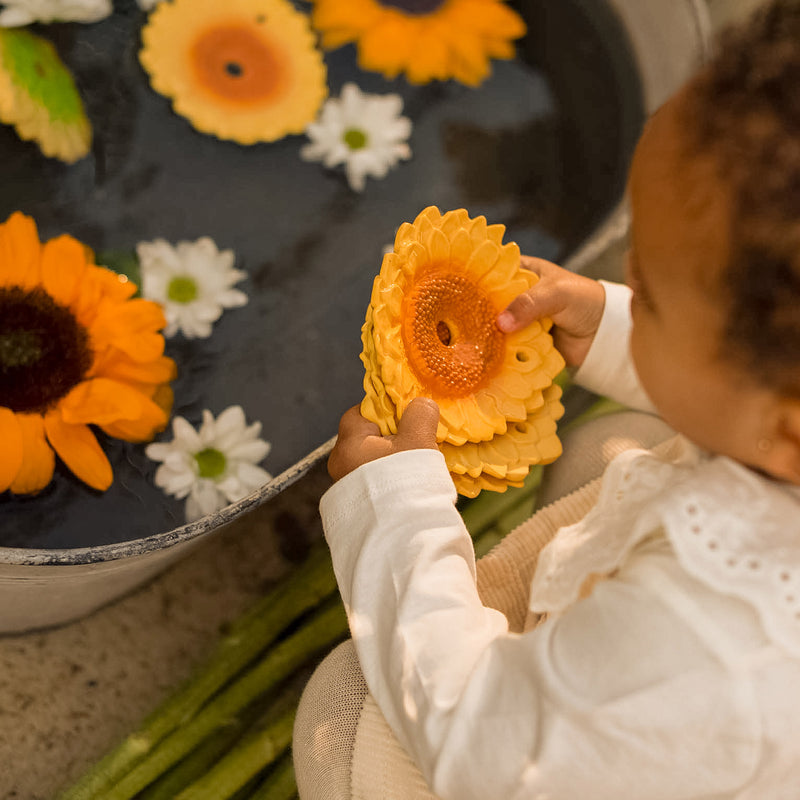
731 528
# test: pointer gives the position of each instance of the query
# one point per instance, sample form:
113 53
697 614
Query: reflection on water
495 164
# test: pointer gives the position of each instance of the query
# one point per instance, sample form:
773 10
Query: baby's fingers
417 426
546 299
353 425
358 442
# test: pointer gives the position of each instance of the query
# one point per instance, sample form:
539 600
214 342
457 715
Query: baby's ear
781 449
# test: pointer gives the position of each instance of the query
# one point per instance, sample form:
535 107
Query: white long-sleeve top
678 677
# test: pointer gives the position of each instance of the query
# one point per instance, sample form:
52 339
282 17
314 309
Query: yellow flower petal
38 458
384 48
132 328
101 401
63 267
20 252
12 452
246 70
454 40
78 449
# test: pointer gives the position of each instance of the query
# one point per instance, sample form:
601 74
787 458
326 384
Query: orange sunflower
75 350
425 39
430 331
246 70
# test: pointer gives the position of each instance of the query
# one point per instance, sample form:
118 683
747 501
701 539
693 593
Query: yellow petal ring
246 70
430 331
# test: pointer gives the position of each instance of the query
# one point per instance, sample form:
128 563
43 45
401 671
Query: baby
678 674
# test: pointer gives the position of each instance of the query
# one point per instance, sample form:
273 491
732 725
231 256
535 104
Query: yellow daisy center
235 64
44 352
418 7
182 289
211 463
449 333
355 138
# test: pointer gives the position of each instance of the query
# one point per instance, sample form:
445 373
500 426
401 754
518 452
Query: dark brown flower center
417 7
44 352
452 343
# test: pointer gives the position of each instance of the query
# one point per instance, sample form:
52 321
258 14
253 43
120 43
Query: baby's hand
360 441
574 303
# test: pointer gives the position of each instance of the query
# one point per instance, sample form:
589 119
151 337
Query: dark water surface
542 147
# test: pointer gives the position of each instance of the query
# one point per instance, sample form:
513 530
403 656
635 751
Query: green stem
300 591
254 753
325 628
280 784
200 760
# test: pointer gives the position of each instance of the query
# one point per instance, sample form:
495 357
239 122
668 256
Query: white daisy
213 466
365 132
193 282
24 12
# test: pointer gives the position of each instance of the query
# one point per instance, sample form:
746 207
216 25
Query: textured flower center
414 6
182 289
211 463
355 139
236 64
44 352
451 340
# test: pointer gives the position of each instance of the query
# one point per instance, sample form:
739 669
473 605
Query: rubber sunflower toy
246 70
425 40
76 349
39 98
430 331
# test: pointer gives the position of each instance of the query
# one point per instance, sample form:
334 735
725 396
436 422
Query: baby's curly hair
744 108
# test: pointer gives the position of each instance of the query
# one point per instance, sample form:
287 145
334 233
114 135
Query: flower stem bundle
309 584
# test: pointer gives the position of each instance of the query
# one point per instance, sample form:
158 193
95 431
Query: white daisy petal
250 451
252 476
231 419
232 298
233 488
377 117
204 499
192 281
185 435
209 480
157 451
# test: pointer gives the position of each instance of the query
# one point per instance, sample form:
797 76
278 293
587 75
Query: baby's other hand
574 302
360 440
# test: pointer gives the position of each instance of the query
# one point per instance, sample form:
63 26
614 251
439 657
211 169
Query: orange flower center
237 65
452 343
44 352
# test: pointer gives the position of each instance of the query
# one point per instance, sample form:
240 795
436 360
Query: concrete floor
67 694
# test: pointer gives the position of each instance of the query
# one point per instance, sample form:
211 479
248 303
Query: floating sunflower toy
246 70
430 331
424 39
75 350
39 98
